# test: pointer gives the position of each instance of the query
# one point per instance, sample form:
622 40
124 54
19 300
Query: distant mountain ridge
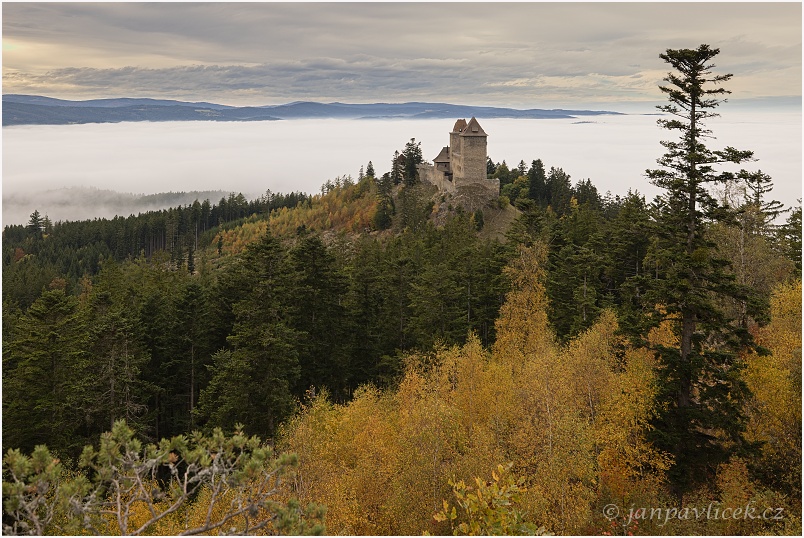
40 110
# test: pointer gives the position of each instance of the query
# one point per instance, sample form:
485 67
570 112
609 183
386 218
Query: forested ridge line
73 249
611 351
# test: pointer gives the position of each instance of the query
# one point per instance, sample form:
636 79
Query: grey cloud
371 50
283 80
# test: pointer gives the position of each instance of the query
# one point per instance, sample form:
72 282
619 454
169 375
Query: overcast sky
503 54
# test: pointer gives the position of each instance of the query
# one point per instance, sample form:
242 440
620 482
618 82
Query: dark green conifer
537 183
412 157
700 389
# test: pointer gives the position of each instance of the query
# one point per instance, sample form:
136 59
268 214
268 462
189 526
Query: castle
461 166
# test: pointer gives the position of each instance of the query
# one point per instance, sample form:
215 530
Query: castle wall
429 173
455 154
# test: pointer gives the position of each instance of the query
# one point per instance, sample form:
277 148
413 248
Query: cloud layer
512 54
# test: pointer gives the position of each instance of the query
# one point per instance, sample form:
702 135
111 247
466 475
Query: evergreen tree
414 208
193 347
412 157
190 260
157 291
385 207
479 219
383 218
586 193
559 190
118 354
791 234
371 310
574 281
701 391
627 238
384 186
370 169
757 186
504 174
35 224
252 382
537 183
441 293
45 376
396 169
323 345
490 167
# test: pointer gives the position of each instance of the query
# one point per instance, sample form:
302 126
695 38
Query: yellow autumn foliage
384 462
775 383
522 326
349 208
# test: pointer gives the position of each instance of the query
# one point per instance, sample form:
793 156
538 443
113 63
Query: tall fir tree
701 391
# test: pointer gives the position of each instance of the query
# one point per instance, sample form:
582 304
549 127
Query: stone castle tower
462 164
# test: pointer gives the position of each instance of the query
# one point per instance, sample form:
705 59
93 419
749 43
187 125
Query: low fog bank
81 203
301 155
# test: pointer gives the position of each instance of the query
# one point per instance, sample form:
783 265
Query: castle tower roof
443 157
460 125
473 128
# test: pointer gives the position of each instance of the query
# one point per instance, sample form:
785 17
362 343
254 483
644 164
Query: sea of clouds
300 155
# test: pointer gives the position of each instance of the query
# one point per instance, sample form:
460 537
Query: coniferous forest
375 359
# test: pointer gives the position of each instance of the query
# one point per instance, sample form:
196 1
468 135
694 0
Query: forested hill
207 315
72 249
34 109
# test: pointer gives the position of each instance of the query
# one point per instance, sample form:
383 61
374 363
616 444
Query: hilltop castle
461 166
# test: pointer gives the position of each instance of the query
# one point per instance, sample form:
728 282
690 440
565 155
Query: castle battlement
462 164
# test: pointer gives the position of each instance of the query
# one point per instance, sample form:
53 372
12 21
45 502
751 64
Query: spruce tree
759 213
252 382
45 381
537 183
115 386
491 167
700 389
35 224
396 169
318 292
790 234
559 190
413 157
